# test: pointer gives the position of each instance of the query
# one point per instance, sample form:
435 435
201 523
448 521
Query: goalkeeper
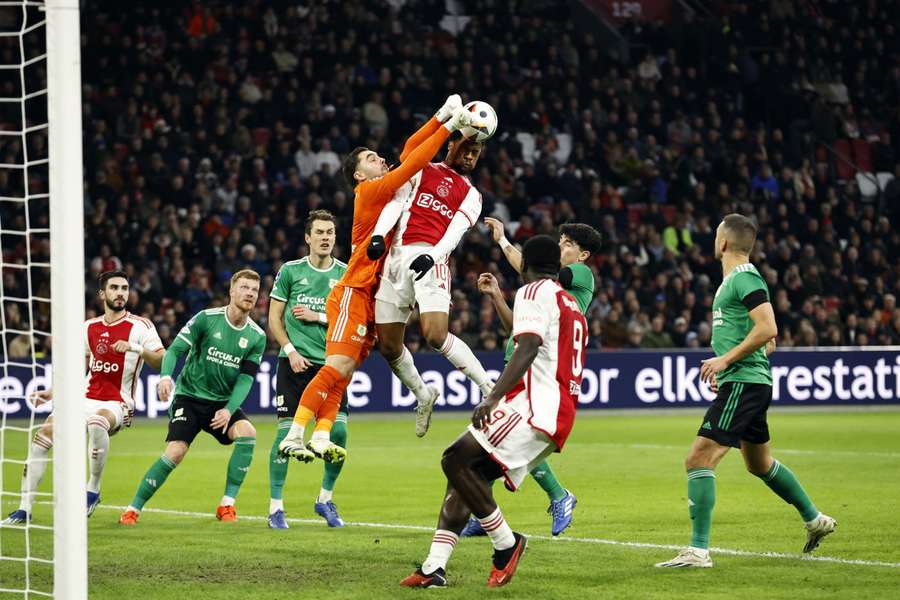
224 348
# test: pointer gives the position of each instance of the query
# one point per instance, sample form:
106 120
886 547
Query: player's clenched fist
487 284
421 265
376 247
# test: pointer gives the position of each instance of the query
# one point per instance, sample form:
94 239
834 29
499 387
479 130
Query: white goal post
42 297
67 297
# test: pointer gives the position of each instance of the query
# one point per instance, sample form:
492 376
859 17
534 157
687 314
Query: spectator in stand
214 121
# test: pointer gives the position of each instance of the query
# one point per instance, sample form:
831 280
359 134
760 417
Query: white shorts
511 442
399 292
118 410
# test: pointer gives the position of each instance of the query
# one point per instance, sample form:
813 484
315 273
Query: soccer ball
488 114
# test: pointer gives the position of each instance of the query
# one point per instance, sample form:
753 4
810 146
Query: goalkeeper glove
446 111
462 117
421 265
376 247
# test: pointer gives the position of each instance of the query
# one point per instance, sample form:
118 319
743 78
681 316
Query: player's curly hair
584 235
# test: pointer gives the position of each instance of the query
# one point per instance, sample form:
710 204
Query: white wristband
165 377
504 243
323 318
288 348
135 347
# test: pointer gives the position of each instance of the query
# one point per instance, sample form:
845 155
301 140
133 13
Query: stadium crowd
212 130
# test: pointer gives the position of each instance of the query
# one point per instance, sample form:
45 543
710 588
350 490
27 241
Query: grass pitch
632 511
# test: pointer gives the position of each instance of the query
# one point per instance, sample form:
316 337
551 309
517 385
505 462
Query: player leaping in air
117 345
431 213
508 436
350 308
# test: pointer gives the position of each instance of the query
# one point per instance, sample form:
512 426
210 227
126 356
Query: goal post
67 297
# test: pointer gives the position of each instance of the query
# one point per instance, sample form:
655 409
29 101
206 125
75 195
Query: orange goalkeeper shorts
351 322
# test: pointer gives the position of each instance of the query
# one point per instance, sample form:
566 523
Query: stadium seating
210 109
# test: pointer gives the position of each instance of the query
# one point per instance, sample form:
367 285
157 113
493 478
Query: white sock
34 470
325 495
227 501
461 356
498 530
98 447
275 505
133 509
442 545
405 370
700 551
320 436
296 431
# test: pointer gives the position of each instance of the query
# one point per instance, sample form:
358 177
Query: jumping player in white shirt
431 212
510 434
116 345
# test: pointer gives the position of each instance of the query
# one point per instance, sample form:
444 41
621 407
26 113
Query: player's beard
110 304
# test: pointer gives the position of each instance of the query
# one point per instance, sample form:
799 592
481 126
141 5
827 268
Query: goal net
41 300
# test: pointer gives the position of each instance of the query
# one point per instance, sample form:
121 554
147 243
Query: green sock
701 500
241 457
278 465
784 483
546 478
339 437
153 479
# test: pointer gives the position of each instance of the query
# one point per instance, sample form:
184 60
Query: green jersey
732 323
298 282
582 289
217 350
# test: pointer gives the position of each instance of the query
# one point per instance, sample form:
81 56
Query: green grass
626 470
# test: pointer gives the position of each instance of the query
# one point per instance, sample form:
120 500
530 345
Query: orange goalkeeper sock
316 393
329 409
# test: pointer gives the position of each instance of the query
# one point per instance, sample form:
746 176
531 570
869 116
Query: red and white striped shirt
553 381
114 375
432 197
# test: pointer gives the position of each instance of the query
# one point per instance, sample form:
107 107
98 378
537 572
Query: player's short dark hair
351 162
584 235
541 255
107 275
741 232
318 215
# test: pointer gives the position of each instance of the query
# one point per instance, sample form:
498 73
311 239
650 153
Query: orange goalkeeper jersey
374 194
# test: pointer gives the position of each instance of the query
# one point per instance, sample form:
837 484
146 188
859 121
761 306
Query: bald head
736 233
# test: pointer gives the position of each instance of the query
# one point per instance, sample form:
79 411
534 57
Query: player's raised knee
110 417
